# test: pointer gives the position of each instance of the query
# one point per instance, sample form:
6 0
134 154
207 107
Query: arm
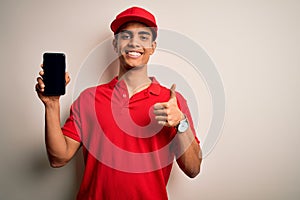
190 160
60 149
169 114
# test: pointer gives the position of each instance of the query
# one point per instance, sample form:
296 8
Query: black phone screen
54 66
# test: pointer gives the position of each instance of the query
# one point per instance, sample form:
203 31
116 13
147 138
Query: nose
134 42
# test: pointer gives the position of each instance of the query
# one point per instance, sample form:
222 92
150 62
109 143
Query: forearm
186 148
189 153
56 144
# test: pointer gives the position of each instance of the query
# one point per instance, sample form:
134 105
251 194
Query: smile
133 54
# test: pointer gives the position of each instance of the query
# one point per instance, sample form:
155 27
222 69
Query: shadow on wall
40 181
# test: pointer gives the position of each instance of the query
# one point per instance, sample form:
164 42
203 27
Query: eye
144 37
125 36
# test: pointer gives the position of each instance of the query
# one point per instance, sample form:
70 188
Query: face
134 44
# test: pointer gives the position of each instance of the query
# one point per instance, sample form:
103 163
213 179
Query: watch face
183 126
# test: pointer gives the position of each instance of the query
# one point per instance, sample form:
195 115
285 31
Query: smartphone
54 66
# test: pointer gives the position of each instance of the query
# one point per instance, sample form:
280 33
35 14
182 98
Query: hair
154 34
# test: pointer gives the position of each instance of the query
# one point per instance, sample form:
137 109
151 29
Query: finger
172 91
40 81
161 118
37 87
160 112
41 73
164 123
40 84
158 106
67 78
42 65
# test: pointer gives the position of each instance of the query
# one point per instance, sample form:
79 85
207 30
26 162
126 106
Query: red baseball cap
136 14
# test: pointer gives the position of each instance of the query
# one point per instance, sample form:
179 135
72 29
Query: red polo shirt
127 154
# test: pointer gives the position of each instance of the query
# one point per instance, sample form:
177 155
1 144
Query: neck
135 78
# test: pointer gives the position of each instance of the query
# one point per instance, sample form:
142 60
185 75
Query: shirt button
124 95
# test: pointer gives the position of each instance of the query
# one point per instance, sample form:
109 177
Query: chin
131 66
134 64
130 63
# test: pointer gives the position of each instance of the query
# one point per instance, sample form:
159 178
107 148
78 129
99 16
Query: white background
255 46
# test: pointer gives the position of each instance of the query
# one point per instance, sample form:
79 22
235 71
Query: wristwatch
183 125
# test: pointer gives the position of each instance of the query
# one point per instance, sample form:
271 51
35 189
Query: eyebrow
140 32
144 33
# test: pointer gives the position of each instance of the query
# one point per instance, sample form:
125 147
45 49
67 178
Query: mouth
133 54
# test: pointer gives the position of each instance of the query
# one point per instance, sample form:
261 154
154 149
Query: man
130 129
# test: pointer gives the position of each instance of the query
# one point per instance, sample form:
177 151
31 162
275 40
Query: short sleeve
72 126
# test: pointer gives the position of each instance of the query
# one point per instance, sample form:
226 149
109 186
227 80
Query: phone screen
54 66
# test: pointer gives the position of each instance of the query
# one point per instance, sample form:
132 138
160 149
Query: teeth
134 53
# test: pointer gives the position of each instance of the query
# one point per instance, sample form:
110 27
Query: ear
153 47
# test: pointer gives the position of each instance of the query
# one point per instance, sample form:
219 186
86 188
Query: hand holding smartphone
54 66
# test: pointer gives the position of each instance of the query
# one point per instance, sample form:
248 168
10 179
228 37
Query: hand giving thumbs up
168 113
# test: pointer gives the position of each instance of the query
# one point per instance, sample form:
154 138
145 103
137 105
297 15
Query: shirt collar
154 88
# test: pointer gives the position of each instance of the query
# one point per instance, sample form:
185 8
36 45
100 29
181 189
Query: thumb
172 91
